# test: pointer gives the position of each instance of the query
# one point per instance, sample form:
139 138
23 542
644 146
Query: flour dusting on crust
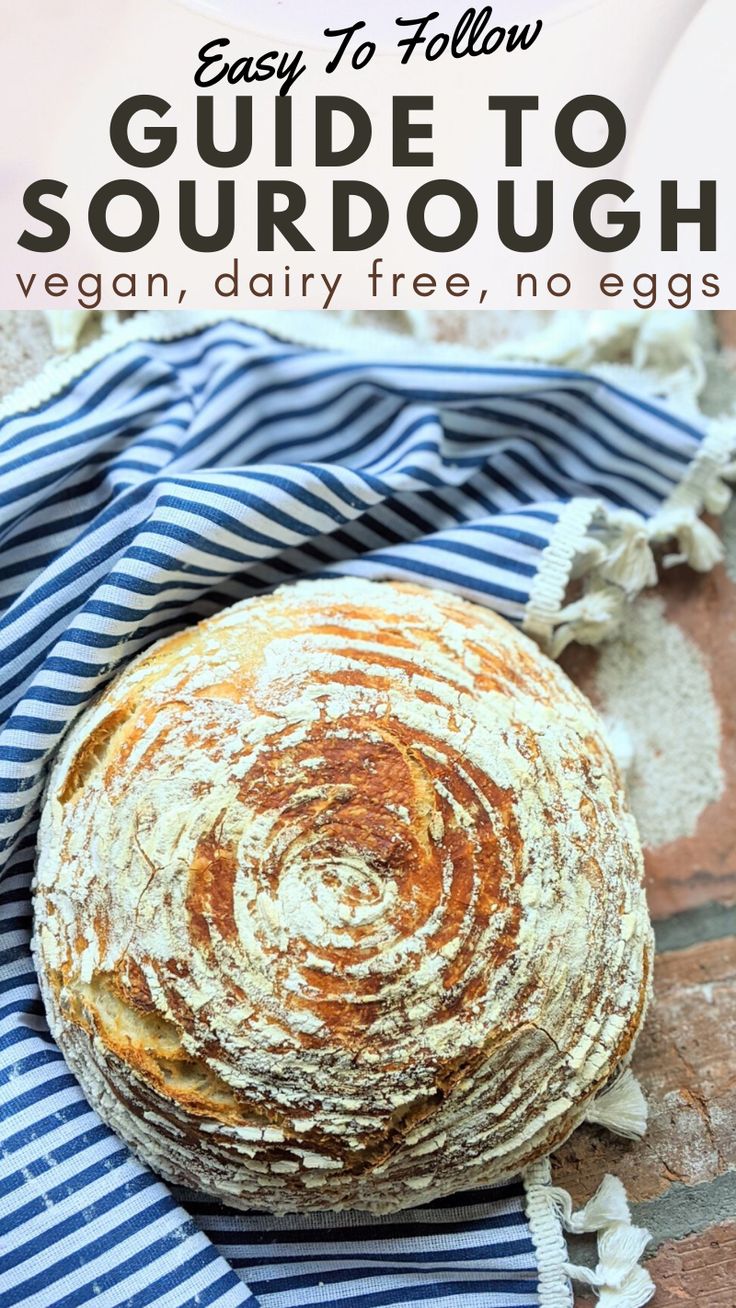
338 902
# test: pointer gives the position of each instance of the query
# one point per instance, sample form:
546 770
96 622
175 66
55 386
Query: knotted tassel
621 1107
67 325
718 494
635 1290
617 1276
620 1246
588 620
609 1204
716 468
628 560
698 544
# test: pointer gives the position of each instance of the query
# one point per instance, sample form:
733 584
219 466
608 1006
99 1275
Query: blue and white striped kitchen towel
176 475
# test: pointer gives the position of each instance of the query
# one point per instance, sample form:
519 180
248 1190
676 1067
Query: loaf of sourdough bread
339 903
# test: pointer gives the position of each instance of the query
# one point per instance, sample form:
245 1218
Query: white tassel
589 619
668 345
608 1204
619 1249
621 1107
591 554
717 468
698 544
706 487
617 1272
637 1289
628 560
66 326
617 1276
718 495
612 550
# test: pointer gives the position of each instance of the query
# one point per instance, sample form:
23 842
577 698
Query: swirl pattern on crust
338 901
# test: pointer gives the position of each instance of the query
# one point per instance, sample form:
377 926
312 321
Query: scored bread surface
339 903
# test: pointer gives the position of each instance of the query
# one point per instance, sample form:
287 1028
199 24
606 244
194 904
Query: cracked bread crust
339 903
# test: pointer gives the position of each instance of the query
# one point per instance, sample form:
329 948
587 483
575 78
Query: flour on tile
654 687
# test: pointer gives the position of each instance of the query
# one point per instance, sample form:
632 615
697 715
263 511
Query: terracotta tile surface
698 1272
682 1175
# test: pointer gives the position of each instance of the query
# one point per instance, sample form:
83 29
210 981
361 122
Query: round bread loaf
339 903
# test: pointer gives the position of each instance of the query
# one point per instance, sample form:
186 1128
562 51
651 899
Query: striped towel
169 477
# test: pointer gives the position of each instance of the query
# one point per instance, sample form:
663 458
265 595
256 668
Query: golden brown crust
338 901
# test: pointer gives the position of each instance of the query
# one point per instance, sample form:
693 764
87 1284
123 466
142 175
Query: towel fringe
628 559
594 617
66 326
705 488
620 1246
617 1274
618 1277
608 1204
698 545
636 1291
718 494
610 553
621 1107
